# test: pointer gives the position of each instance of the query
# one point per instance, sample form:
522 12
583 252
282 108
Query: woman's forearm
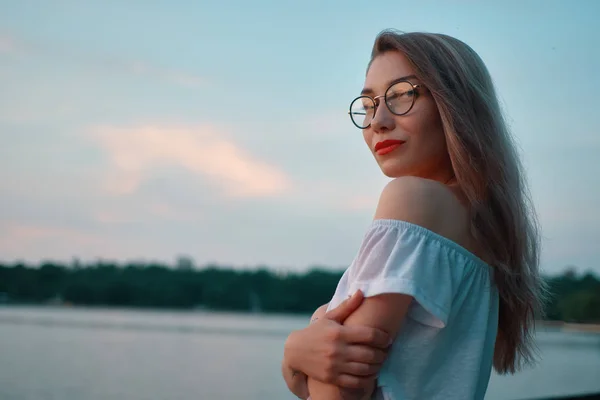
323 391
296 381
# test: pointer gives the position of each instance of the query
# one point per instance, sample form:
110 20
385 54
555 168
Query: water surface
97 354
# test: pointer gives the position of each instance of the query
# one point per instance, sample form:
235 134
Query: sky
147 130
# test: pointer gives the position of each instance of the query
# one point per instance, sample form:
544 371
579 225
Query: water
99 354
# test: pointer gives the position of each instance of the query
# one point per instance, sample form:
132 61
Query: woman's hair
488 170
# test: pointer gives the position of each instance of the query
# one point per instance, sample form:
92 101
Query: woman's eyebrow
390 83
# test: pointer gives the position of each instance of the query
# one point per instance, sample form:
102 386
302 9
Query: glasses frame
415 88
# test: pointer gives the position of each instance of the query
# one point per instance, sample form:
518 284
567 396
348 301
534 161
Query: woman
449 267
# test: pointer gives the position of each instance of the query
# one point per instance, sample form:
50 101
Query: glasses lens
362 110
400 97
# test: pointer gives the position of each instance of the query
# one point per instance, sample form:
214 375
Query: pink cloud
134 152
18 240
35 232
7 44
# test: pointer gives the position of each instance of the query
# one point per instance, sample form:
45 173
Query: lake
98 354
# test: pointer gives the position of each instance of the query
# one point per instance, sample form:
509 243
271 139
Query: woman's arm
415 201
385 312
348 356
319 313
295 380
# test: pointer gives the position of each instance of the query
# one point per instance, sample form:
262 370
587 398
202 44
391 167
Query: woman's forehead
386 68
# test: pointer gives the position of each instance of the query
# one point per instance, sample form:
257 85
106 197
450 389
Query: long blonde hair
488 170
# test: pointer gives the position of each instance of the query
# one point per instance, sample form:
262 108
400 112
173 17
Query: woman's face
417 144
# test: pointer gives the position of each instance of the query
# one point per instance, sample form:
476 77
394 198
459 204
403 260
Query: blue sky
145 130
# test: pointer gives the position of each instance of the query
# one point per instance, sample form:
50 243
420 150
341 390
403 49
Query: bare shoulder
424 202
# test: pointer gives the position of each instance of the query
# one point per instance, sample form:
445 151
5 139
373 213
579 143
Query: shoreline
575 327
571 326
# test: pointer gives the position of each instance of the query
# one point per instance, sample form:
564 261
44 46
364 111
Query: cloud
34 232
134 152
41 241
7 44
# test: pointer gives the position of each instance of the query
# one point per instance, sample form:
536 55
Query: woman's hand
346 356
295 380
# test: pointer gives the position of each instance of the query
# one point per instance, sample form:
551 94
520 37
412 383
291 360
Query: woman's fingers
364 354
360 369
366 335
347 307
354 382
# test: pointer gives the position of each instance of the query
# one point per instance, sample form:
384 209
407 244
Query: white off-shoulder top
445 346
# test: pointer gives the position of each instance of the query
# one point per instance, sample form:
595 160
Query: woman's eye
400 95
368 107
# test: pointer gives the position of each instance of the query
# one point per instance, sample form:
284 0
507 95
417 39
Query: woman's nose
383 120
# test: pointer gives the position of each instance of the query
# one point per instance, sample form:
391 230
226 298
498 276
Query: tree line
573 298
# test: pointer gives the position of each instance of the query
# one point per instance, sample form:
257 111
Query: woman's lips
387 146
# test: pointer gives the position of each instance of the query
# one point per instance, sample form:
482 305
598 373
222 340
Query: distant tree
573 298
185 263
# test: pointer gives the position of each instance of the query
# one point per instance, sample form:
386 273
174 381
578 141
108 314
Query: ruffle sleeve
400 257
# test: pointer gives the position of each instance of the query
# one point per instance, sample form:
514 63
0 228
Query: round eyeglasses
399 99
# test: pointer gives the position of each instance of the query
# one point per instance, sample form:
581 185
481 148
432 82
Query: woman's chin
392 171
390 174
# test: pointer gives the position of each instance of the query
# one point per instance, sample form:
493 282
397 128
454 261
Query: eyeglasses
399 99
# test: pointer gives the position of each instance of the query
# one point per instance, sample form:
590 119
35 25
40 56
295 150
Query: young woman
449 266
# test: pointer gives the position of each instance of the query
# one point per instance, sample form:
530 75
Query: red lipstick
387 146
